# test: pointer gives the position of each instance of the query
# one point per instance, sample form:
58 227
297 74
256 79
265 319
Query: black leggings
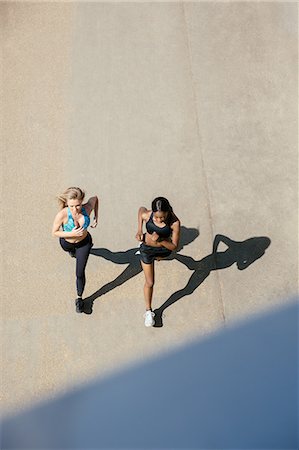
81 250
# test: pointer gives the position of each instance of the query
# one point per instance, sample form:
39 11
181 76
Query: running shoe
159 316
79 305
149 319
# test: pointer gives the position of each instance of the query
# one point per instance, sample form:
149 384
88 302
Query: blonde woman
70 226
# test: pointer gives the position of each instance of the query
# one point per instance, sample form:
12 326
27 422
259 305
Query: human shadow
242 253
132 259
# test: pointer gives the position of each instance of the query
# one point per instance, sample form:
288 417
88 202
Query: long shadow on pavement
242 253
130 258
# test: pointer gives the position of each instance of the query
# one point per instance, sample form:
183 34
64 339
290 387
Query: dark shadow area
242 253
133 268
236 389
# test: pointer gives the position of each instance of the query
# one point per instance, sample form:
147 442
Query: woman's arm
142 216
176 230
56 232
93 204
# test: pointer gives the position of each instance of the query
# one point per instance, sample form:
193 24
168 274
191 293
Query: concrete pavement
193 101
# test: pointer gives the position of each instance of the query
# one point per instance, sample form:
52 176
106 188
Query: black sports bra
163 232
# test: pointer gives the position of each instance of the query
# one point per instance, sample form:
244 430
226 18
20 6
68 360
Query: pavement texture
195 101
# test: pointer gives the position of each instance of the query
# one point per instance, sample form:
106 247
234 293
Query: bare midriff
75 240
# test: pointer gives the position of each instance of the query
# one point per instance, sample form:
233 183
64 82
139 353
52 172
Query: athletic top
70 225
151 227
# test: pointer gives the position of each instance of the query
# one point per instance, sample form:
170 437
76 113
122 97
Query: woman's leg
149 274
82 254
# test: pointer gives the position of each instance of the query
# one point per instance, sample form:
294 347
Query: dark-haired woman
161 238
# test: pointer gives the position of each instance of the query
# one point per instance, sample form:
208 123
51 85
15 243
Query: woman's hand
152 240
78 232
139 236
154 236
94 223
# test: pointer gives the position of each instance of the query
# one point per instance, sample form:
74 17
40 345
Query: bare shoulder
87 206
90 204
175 222
61 216
146 214
62 213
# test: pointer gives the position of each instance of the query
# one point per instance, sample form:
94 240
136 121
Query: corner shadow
242 253
235 389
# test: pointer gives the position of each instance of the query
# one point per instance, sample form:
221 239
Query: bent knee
149 283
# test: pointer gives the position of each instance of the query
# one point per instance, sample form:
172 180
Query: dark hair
161 204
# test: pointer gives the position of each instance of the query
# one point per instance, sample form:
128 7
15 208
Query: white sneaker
149 319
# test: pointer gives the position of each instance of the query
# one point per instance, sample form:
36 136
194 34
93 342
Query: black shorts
148 254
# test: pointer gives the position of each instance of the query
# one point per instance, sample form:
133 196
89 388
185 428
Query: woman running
70 226
161 238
